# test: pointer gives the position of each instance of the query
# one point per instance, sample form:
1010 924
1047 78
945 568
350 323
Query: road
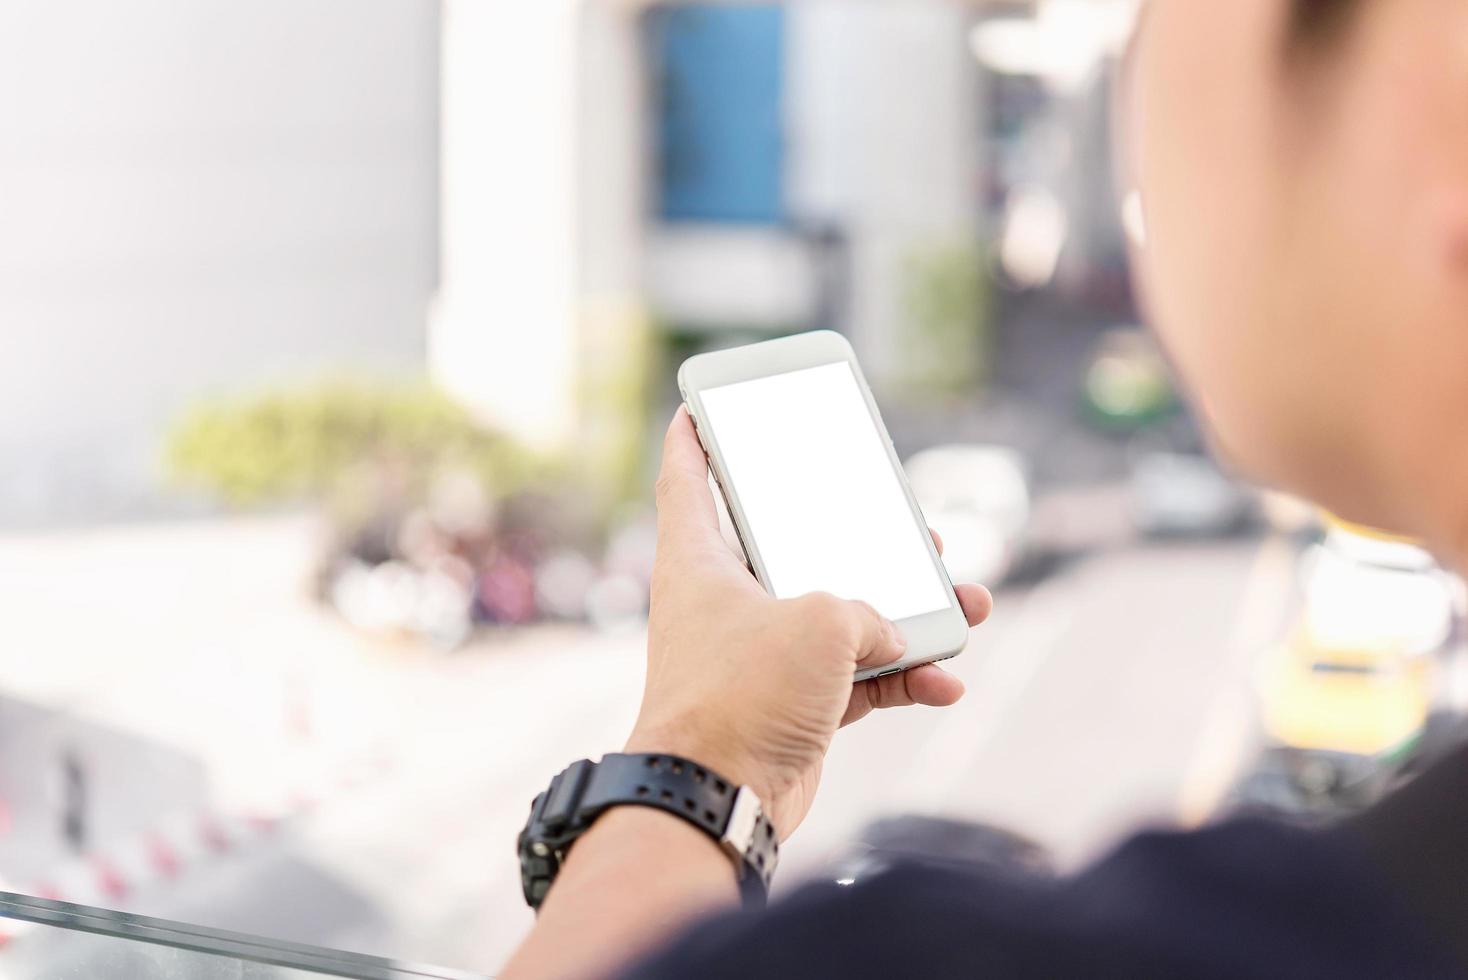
1113 691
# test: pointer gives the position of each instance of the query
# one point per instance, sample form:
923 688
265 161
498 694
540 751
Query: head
1302 167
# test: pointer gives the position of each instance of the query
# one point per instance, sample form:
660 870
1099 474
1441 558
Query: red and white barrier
179 843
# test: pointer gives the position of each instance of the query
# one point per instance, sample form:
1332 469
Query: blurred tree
620 364
320 443
946 321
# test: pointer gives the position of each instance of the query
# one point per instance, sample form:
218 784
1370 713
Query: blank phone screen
821 498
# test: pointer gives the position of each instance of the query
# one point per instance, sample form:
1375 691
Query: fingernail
898 639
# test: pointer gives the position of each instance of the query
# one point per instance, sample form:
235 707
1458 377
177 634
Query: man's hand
752 686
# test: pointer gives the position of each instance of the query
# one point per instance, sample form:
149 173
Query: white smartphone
814 488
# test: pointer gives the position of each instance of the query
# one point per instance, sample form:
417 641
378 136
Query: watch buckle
738 835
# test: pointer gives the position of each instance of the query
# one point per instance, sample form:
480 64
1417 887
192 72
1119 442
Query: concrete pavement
1112 691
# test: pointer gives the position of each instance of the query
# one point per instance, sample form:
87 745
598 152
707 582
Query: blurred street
340 343
1109 691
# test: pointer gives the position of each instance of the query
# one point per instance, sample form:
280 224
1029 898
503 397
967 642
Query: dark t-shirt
1384 895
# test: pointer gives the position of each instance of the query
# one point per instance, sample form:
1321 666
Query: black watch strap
730 814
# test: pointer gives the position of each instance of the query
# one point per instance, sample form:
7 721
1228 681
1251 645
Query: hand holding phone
814 487
750 685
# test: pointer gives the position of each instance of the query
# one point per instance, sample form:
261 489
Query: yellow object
1363 531
1361 701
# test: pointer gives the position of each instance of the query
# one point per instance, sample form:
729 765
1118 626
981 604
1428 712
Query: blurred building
200 196
688 175
543 205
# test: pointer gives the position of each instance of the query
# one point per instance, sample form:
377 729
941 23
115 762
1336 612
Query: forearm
631 880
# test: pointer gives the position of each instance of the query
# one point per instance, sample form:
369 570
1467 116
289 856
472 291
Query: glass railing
45 939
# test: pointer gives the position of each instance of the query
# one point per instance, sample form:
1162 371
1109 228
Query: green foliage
309 443
620 366
947 320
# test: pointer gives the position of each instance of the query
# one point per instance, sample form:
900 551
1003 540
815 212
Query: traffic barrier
182 841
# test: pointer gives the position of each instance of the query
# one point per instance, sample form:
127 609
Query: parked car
1126 386
1349 700
977 497
940 843
1183 494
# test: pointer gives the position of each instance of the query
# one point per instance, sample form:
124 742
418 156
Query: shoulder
1248 898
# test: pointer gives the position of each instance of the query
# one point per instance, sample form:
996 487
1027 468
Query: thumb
686 514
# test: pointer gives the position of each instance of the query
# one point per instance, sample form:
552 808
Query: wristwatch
730 814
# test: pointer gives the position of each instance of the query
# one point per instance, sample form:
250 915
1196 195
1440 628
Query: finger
937 540
926 684
685 504
880 641
863 631
977 602
931 685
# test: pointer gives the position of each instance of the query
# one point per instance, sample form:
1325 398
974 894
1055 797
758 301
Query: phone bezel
931 636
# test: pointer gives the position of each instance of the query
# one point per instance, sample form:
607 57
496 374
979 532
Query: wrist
655 839
634 878
731 766
727 814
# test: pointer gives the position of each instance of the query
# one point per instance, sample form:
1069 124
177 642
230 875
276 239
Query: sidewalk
1103 695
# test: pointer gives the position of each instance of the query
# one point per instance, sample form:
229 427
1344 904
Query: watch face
538 861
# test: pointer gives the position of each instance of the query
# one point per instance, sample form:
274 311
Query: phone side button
884 673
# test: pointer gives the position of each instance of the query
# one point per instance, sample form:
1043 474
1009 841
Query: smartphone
814 488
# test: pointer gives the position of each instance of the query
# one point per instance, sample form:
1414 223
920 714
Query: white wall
199 196
504 328
884 117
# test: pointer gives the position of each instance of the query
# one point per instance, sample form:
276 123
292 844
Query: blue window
720 71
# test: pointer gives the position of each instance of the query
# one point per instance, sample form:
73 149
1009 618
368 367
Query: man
1302 167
